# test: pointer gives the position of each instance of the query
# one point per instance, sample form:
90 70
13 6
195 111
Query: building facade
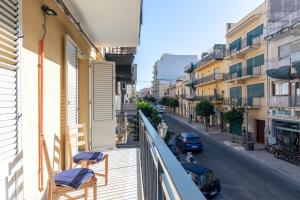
208 81
246 52
283 36
167 70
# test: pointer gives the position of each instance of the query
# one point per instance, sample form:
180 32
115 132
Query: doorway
260 131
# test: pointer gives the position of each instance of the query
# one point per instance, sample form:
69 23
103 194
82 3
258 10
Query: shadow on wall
14 181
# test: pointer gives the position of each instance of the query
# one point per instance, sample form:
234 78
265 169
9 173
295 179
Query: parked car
172 147
189 141
204 178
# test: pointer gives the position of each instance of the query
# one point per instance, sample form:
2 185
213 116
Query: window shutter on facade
72 83
8 78
103 107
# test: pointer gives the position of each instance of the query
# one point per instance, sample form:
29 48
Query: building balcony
213 98
189 68
284 101
245 73
212 55
249 102
289 21
245 47
209 79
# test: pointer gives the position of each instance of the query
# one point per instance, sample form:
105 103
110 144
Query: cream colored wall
54 85
260 113
209 70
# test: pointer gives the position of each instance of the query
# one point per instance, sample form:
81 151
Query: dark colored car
189 141
204 178
172 147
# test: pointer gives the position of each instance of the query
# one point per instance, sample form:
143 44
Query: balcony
245 73
249 102
284 101
210 56
189 68
290 21
245 47
123 56
213 98
209 79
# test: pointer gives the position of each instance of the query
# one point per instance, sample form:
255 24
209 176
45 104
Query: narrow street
241 177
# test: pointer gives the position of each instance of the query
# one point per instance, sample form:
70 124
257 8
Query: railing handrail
244 71
208 78
243 101
181 184
256 41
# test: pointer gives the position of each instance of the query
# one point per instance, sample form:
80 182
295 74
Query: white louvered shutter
72 84
103 104
9 29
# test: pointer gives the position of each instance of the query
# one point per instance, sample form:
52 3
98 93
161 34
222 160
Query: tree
205 109
164 101
145 107
173 103
150 99
234 116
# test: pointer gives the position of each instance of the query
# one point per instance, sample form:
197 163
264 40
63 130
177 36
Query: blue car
204 178
189 141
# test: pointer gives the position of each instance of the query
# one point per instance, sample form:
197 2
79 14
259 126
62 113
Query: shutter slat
8 78
6 21
8 28
10 10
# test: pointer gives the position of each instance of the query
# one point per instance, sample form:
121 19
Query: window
236 91
254 62
256 90
254 33
236 45
235 68
280 89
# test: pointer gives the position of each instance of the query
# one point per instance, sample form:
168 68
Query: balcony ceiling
109 23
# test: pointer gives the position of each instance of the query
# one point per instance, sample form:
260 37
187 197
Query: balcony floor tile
124 181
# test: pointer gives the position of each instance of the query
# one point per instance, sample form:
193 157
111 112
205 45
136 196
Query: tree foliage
234 116
205 108
150 99
170 102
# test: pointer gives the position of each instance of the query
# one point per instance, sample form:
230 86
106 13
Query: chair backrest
78 133
56 165
48 163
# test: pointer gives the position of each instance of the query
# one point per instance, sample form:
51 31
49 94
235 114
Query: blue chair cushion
73 178
88 156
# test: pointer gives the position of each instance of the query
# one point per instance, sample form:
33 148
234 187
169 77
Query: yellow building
208 81
246 53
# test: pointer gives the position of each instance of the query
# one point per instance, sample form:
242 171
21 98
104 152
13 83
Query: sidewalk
259 154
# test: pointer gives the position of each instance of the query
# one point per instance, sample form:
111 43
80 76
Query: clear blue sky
184 27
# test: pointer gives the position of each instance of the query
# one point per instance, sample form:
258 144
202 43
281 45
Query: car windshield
207 178
193 139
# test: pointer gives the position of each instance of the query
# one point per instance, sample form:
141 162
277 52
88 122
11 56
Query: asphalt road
241 177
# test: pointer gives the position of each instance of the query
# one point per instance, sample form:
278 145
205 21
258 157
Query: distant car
189 141
204 178
172 147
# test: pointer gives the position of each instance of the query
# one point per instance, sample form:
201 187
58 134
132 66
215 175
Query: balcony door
102 90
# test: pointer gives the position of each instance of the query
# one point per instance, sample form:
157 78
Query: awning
283 73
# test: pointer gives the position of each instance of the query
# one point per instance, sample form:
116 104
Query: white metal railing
163 177
287 21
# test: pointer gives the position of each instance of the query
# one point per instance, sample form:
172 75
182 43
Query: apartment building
167 70
208 81
59 64
283 36
246 52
